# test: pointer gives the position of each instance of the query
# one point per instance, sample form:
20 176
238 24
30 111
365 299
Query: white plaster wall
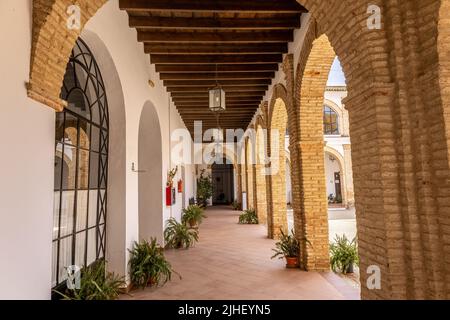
134 69
335 96
26 166
337 143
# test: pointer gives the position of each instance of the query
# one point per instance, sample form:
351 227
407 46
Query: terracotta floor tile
232 261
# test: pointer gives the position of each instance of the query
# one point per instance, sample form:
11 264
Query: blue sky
336 77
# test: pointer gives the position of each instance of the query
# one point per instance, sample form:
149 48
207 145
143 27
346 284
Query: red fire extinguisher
168 196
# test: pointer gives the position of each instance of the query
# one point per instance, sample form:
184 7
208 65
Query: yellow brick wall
398 106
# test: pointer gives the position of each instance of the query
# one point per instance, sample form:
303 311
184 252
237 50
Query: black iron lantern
217 99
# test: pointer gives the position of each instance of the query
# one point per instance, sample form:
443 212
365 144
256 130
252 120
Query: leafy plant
148 265
236 205
192 215
178 235
204 188
248 217
344 254
95 284
287 246
171 175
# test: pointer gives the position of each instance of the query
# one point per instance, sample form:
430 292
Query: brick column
348 172
314 205
249 174
239 183
317 58
277 214
261 199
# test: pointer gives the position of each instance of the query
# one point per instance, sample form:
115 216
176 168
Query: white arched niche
116 210
150 176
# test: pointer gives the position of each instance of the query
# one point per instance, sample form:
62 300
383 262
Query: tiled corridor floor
232 261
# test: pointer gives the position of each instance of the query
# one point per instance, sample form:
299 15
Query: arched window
81 167
330 121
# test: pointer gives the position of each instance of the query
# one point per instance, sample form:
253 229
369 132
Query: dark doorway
223 184
337 184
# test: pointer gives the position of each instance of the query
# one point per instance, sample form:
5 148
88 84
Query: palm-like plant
344 254
204 188
192 215
178 235
248 217
287 246
236 205
148 264
96 284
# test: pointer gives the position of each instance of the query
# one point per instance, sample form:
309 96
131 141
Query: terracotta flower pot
192 223
292 262
151 282
350 268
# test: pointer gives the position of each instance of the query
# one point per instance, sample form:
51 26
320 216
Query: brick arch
309 200
396 79
250 168
52 43
261 182
276 180
279 92
397 76
444 59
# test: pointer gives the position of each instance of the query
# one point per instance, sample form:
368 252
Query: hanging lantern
217 99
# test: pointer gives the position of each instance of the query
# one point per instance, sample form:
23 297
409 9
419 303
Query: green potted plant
148 265
95 284
170 176
235 205
343 254
248 217
192 215
288 247
177 235
204 188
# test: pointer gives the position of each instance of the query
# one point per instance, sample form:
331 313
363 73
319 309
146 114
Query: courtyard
121 120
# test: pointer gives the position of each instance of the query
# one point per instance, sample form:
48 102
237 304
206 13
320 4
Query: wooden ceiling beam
212 83
228 100
205 108
229 94
212 117
276 23
215 37
206 112
205 104
218 76
214 48
234 124
222 68
215 59
226 88
237 116
229 6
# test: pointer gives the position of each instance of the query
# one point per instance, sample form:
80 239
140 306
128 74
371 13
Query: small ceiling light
217 98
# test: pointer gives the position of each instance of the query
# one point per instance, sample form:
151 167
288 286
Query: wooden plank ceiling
195 43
